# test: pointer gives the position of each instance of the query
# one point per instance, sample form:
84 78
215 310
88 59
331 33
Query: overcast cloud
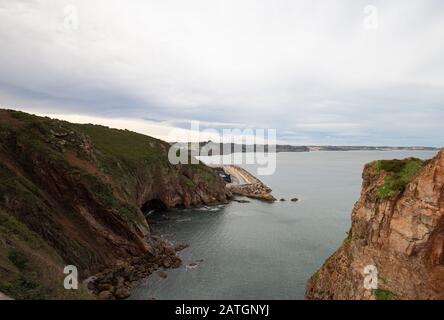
310 69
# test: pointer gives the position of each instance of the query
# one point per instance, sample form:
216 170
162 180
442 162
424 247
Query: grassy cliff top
74 194
399 173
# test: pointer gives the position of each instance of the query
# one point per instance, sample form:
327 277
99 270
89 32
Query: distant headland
214 148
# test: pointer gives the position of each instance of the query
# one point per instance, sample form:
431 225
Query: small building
225 176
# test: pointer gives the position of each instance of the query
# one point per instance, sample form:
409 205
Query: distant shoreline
212 148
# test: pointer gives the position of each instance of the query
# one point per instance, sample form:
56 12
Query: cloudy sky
320 72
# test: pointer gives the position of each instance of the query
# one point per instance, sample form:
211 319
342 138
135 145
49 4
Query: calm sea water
259 250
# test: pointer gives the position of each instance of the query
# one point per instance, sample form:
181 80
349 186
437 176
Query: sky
337 72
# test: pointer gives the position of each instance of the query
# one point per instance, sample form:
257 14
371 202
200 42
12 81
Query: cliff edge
74 194
397 227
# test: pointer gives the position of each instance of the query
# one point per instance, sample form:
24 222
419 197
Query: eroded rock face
174 190
403 236
255 190
73 195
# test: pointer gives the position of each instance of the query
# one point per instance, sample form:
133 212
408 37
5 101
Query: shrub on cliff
399 174
382 294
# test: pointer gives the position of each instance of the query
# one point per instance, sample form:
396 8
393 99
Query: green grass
18 259
19 115
382 294
25 286
29 268
349 236
7 178
207 175
399 174
103 193
121 144
13 229
123 154
125 145
29 264
126 155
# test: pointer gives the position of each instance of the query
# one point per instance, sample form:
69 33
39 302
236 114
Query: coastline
107 284
269 230
243 183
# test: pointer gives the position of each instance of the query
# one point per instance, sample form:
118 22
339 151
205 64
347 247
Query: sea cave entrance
153 205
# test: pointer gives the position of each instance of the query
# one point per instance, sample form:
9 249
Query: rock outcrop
245 184
75 194
397 227
255 191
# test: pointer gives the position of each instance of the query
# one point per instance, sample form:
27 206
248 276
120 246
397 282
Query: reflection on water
260 250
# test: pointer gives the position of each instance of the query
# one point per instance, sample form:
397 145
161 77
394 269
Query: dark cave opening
153 205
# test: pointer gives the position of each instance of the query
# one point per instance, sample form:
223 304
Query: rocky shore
245 184
256 191
74 194
117 282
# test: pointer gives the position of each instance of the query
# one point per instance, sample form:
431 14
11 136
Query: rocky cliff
75 194
398 227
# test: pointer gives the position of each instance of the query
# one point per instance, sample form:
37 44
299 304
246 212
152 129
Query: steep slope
75 194
398 227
